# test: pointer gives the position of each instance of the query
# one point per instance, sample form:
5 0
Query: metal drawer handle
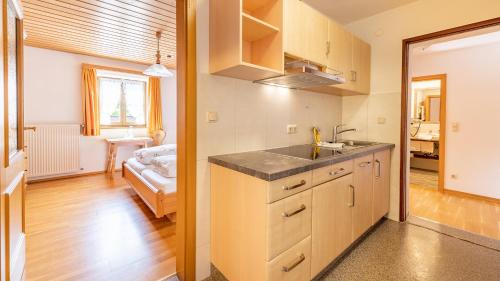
377 175
351 204
292 213
302 182
338 171
299 260
364 164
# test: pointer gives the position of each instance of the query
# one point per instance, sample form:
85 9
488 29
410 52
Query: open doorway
427 136
80 218
449 95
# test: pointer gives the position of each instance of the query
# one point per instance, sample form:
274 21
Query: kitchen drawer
285 187
289 221
292 265
331 172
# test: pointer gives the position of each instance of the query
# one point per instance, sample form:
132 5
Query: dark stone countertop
271 166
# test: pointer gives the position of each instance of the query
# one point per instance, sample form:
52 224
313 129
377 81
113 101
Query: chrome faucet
337 131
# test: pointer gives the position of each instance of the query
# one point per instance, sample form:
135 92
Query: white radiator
52 150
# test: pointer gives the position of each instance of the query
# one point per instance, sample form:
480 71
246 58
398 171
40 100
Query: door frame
403 165
186 140
442 123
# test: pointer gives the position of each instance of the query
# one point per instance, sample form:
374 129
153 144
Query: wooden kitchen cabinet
305 32
352 57
340 52
246 38
363 195
361 65
381 184
331 221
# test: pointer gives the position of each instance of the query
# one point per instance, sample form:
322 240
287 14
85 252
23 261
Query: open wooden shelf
255 29
252 5
246 38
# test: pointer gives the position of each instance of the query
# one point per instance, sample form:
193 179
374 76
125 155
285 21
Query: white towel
145 155
165 165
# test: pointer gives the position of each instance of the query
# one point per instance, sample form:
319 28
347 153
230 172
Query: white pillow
165 165
145 155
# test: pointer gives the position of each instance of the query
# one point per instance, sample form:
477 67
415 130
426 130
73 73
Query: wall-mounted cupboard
246 38
250 39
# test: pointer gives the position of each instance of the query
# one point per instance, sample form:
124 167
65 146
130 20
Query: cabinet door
381 184
340 52
331 221
361 60
305 31
363 189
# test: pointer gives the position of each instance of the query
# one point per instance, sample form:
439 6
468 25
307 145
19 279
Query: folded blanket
145 155
165 165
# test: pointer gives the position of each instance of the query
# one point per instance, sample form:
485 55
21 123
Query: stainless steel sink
356 143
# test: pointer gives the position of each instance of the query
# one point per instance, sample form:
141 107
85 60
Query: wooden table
113 148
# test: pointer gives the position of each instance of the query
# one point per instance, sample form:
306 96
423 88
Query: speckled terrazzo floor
402 252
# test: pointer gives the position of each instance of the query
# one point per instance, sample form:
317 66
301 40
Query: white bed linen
165 165
137 166
167 185
145 155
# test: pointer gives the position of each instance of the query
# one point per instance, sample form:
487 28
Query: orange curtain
155 122
90 102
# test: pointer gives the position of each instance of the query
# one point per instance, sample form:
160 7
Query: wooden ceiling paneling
117 29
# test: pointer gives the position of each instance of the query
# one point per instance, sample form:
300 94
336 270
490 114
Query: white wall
251 117
53 96
385 33
472 101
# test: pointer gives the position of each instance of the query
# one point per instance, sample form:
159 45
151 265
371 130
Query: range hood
303 75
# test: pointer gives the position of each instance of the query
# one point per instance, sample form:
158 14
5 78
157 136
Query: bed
157 192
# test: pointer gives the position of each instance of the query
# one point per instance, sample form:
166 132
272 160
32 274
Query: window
122 102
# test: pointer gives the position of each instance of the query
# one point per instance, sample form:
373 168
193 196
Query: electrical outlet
291 129
381 120
212 117
455 127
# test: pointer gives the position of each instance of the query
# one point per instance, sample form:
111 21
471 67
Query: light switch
381 120
455 127
212 117
291 129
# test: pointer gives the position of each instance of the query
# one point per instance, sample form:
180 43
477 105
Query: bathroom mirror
426 101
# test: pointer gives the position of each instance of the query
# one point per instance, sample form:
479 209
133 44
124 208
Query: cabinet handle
328 44
351 204
377 175
338 171
299 260
365 164
292 213
302 182
354 76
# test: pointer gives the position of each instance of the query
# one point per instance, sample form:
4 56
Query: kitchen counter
271 166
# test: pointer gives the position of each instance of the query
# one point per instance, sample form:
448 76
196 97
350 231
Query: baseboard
69 176
473 196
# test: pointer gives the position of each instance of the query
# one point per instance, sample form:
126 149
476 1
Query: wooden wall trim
110 68
186 140
403 189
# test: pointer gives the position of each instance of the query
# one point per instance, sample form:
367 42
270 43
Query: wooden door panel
363 189
14 228
332 222
381 184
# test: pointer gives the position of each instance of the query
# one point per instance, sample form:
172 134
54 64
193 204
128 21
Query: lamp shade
158 70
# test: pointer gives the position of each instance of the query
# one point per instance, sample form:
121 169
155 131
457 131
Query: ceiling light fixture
158 69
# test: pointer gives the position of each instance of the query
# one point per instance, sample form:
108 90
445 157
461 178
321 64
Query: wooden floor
470 214
95 228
